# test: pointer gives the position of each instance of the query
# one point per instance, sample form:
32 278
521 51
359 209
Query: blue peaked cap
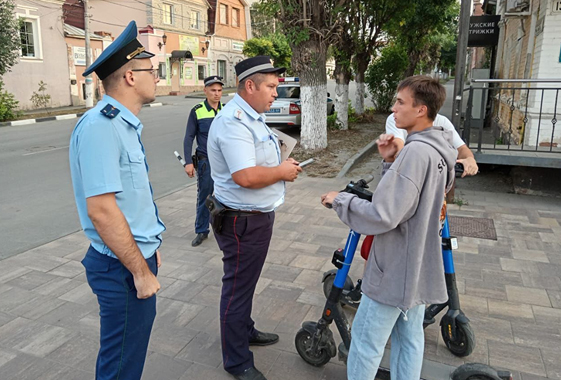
122 50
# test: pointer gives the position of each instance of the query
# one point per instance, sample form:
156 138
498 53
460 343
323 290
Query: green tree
8 104
367 21
384 74
310 27
416 26
274 45
342 52
10 42
263 21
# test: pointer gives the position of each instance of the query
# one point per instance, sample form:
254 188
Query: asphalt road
36 198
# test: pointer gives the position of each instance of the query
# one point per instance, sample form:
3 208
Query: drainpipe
89 80
502 34
531 44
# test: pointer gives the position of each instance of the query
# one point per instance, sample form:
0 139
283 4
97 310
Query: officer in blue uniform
116 207
198 125
249 180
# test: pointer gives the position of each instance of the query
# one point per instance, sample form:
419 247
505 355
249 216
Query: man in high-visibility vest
198 125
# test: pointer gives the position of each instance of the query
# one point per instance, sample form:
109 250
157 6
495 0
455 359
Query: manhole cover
481 228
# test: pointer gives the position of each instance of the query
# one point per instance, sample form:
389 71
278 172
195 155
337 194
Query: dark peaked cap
122 50
213 79
254 65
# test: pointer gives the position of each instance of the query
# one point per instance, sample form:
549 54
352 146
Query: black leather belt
201 156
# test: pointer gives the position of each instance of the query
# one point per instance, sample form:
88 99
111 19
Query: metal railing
511 114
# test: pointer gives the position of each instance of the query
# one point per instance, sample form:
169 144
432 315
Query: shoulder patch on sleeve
110 111
197 106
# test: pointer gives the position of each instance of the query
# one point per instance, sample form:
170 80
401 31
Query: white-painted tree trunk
360 91
342 105
313 132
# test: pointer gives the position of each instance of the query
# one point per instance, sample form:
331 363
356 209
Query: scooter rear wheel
478 371
303 343
464 343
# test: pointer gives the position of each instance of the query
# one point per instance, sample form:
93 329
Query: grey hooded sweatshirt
405 265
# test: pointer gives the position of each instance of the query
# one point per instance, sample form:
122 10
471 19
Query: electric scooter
457 334
314 341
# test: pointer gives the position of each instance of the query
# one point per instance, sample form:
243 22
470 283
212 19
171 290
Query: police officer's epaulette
197 107
110 111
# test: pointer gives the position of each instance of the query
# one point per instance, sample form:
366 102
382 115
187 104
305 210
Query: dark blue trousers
126 321
244 242
205 186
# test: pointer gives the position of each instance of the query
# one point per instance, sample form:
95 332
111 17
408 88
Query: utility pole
465 13
461 52
89 80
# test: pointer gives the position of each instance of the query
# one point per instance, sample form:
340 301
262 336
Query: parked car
286 109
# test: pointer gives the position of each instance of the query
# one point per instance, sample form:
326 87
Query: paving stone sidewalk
510 289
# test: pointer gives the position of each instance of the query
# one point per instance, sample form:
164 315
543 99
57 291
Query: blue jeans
126 321
372 326
205 185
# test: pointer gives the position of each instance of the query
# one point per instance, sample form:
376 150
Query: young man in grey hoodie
404 271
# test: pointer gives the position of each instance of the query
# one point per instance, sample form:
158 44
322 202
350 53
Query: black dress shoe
263 339
250 374
199 239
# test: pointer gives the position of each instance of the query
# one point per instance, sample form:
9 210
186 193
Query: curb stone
357 158
58 117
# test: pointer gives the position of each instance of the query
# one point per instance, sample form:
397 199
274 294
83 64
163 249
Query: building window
167 14
224 14
201 72
235 17
195 20
222 69
29 34
162 70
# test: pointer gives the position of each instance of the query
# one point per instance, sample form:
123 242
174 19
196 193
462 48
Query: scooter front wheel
464 343
303 343
328 284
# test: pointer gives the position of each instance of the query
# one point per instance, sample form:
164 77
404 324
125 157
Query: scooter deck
431 370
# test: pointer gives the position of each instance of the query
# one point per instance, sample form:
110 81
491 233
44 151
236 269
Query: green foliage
39 98
368 116
262 19
332 122
353 117
422 28
8 104
384 74
10 42
274 45
448 56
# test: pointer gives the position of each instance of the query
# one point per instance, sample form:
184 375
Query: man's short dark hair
425 90
111 82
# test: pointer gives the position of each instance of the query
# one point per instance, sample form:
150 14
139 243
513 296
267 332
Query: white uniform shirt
439 121
239 139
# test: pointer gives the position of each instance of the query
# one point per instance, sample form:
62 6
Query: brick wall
228 30
544 64
181 19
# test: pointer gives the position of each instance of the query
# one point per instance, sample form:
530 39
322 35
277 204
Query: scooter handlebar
358 188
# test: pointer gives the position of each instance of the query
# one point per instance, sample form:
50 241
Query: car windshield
287 92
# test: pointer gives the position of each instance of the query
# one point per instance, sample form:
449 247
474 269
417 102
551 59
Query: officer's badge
238 114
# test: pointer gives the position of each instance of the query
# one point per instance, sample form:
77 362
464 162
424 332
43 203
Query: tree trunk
342 79
362 62
308 60
414 57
